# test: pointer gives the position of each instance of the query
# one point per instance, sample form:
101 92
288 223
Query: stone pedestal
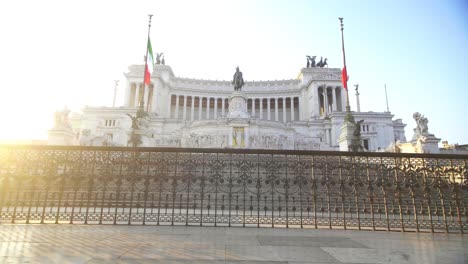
137 138
238 120
348 141
238 106
59 136
427 144
346 136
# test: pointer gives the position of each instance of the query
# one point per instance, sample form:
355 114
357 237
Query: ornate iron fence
226 187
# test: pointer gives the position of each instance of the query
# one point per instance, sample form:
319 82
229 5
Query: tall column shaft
292 108
358 104
215 107
177 107
169 106
184 114
208 108
146 96
268 109
192 109
300 110
154 101
200 104
334 98
261 108
284 109
223 106
325 100
253 106
276 109
136 102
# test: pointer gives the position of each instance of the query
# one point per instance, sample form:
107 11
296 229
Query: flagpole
115 92
146 64
348 108
386 97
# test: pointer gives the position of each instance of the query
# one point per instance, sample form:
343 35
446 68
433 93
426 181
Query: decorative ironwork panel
222 187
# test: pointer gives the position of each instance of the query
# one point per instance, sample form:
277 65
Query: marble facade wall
303 114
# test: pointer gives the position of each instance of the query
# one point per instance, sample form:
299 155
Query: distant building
453 148
305 113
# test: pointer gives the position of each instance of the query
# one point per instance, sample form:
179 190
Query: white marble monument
303 113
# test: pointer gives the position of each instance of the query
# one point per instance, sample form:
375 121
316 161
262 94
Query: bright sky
68 53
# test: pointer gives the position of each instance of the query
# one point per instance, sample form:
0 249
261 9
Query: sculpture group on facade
134 121
312 64
138 122
270 141
238 80
357 128
203 140
355 139
421 126
160 58
61 119
265 141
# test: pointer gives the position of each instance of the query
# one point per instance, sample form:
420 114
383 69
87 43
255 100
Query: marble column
325 100
192 110
154 100
200 104
292 108
253 107
137 95
145 96
223 106
299 108
208 108
177 107
169 106
268 109
334 98
184 113
284 110
215 107
260 106
276 109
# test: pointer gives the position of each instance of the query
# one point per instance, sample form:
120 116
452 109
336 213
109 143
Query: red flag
149 62
344 78
147 75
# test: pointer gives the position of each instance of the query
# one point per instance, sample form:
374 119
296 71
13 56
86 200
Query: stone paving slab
215 245
341 242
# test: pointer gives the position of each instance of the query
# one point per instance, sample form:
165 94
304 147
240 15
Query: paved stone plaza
180 244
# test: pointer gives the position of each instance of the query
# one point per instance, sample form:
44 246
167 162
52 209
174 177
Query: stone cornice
137 71
220 94
317 70
107 109
250 86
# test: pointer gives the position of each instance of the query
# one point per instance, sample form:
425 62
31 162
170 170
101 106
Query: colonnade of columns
276 108
139 92
280 109
329 100
195 107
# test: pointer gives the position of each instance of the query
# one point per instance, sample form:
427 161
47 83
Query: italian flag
344 78
149 64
